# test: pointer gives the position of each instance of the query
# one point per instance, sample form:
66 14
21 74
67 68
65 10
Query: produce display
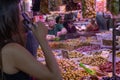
107 42
74 75
118 54
67 65
88 48
93 60
113 6
72 52
107 67
75 54
44 7
68 44
90 78
71 71
52 5
40 53
100 52
88 8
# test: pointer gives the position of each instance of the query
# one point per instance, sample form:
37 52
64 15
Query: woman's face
21 36
51 23
61 20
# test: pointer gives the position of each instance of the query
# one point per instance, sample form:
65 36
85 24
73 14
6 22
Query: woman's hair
58 19
9 19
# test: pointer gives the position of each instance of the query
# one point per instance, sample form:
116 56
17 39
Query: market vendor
70 27
55 30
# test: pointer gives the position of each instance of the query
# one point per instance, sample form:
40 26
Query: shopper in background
68 23
55 30
60 27
71 30
101 20
13 52
31 42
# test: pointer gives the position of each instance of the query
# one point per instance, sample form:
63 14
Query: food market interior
79 32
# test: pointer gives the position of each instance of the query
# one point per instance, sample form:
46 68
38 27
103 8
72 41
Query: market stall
87 50
83 55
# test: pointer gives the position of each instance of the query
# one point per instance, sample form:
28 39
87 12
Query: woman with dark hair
16 63
60 27
70 27
59 20
71 30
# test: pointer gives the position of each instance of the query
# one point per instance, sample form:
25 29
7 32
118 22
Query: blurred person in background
31 42
59 25
70 27
101 20
68 23
55 28
13 52
71 30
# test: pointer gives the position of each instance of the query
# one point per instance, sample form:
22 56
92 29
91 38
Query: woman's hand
59 34
40 30
62 32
